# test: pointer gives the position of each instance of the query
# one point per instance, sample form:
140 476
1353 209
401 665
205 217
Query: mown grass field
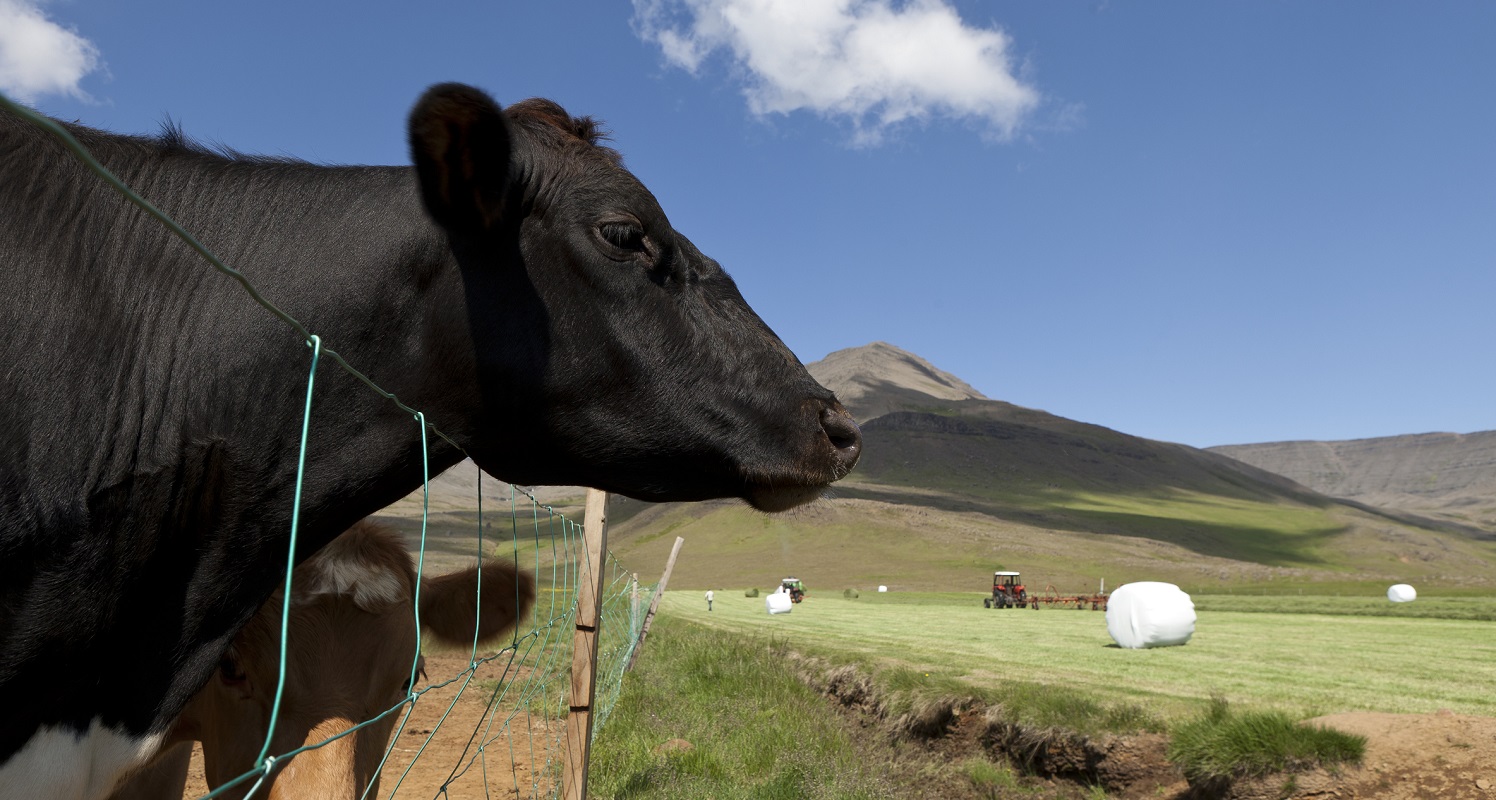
1304 664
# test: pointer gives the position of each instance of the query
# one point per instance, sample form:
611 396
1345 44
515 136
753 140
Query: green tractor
1007 592
794 588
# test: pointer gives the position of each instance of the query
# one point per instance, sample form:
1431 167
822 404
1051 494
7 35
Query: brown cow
353 636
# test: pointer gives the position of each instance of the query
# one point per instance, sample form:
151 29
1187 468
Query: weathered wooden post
584 646
654 604
634 597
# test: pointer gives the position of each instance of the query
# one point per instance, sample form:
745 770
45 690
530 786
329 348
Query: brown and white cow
351 645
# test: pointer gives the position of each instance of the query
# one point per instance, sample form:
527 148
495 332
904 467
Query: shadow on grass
1048 508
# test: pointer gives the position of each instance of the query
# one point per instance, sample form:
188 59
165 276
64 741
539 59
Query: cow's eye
229 668
624 235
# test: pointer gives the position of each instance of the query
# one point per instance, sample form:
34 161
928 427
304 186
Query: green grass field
1303 664
706 716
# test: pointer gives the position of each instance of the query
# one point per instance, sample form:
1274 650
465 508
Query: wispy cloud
40 57
873 63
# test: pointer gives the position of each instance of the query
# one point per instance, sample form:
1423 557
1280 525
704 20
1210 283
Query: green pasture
1302 664
709 716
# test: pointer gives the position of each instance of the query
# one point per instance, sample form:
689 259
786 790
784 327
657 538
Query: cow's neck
382 297
208 387
392 306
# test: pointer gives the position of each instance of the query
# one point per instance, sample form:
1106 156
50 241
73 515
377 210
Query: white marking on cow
61 764
365 565
371 586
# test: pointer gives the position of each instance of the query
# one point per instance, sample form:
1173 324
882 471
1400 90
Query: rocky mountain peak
876 378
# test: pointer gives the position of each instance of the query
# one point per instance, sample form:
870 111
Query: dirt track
1412 757
509 765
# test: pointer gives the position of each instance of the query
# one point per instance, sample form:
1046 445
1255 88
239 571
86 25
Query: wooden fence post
655 603
590 580
634 601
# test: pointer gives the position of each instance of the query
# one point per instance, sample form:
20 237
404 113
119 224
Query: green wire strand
421 557
415 660
280 684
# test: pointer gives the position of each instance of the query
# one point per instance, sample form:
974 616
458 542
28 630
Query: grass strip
1225 744
711 715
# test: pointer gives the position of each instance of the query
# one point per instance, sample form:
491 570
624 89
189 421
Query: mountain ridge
1448 475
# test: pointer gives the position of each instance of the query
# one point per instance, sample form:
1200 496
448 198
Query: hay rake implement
1051 597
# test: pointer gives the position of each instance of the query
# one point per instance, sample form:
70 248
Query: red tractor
1007 592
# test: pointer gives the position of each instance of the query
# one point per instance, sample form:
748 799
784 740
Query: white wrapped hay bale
1402 593
882 588
779 603
1150 614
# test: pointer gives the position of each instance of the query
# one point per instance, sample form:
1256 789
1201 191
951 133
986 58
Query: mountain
953 485
875 379
1447 475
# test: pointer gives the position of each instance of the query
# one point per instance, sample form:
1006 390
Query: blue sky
1208 223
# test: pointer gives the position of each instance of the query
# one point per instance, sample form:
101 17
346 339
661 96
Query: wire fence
490 721
499 716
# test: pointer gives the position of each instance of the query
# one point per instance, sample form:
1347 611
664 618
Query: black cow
519 286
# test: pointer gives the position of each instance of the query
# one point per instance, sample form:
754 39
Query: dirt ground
1440 756
513 763
1408 757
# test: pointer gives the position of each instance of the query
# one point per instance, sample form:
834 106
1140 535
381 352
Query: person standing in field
708 599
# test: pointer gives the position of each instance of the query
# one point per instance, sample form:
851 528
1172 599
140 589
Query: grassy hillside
948 493
853 543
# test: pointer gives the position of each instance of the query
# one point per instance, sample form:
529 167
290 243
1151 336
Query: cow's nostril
845 437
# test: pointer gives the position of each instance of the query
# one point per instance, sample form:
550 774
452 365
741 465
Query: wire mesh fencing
493 725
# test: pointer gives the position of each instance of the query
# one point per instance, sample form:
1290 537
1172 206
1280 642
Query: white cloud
40 57
875 63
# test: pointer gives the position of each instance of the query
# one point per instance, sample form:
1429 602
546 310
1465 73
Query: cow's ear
459 142
449 604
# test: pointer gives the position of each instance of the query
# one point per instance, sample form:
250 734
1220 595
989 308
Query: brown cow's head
352 638
607 350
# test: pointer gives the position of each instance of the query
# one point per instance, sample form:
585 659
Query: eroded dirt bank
1441 756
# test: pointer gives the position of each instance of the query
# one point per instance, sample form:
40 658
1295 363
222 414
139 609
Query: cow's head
607 350
352 638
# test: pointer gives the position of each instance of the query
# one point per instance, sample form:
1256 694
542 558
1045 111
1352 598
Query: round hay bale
751 592
882 588
1150 614
779 603
1402 593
